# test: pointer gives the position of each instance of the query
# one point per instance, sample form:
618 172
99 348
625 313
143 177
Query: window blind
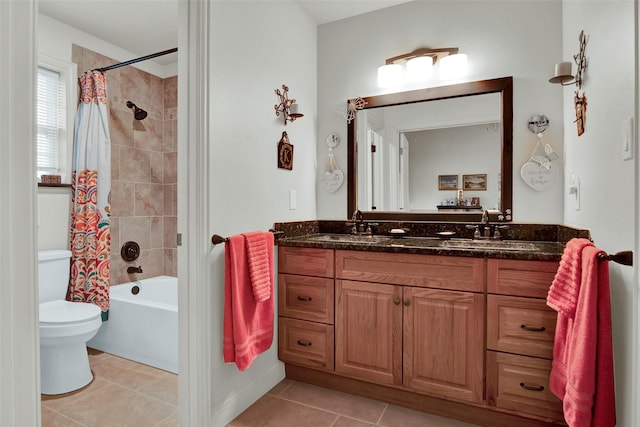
50 118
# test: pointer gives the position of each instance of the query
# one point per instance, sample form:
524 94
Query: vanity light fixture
287 107
419 66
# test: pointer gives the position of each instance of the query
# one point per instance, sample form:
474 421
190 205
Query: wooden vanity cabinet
520 333
415 321
305 307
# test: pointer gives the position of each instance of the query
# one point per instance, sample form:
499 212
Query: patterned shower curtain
90 232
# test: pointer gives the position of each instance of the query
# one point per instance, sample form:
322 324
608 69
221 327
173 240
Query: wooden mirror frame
503 85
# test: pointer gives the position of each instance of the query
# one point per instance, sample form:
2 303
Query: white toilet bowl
65 328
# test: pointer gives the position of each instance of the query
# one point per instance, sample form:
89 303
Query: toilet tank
53 274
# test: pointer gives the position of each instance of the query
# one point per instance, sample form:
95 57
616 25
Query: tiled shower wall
143 166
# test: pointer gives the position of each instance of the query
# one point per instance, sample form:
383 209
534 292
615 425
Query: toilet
65 327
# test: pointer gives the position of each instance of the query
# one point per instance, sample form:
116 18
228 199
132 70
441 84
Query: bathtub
143 323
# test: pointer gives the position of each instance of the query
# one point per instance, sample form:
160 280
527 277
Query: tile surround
143 165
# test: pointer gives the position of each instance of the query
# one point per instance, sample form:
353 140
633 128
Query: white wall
608 183
501 38
256 47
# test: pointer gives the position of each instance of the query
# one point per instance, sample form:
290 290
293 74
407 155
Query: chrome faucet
358 224
486 225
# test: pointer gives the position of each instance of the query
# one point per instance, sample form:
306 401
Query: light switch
627 139
292 199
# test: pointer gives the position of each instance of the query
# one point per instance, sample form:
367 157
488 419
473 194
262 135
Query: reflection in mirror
410 153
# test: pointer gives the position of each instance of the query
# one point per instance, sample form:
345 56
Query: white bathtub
143 326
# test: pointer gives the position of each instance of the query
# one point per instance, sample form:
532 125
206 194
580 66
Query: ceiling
144 27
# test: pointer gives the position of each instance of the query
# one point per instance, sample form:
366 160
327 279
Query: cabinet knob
304 298
406 303
532 328
396 301
304 343
532 387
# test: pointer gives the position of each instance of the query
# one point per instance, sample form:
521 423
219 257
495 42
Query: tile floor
125 393
122 394
297 404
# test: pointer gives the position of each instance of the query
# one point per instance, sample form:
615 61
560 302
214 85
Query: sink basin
503 245
349 238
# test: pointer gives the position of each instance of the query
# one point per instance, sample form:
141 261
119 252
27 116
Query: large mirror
436 154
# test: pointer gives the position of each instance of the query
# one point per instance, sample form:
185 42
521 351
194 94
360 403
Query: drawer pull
533 328
304 298
396 301
406 303
532 387
304 343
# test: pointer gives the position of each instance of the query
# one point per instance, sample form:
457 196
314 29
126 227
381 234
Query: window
54 116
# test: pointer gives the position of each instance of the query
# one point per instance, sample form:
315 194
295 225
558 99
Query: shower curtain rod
133 61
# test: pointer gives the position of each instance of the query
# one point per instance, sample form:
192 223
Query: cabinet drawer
305 343
520 325
521 383
432 271
305 261
305 297
520 278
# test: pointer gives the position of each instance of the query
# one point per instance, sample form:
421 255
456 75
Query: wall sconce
287 107
562 72
419 66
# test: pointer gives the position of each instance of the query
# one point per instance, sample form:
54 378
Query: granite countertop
506 249
544 242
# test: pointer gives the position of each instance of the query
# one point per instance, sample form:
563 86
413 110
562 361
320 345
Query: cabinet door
369 331
443 343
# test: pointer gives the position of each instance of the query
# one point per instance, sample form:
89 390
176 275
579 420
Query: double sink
432 242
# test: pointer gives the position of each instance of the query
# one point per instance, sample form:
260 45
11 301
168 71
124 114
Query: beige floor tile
116 406
51 418
341 403
126 373
271 411
281 386
397 416
350 422
165 388
59 400
172 421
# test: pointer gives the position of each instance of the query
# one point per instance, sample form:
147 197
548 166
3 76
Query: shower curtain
90 231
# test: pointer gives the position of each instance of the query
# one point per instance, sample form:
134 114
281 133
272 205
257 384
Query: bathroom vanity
454 327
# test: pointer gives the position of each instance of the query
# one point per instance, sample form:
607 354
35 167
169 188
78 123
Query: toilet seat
59 313
65 319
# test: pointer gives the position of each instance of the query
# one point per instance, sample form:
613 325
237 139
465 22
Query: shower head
138 113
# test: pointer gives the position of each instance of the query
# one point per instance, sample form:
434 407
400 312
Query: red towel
258 249
582 370
248 324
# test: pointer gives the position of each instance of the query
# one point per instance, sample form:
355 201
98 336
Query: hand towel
260 271
582 374
248 324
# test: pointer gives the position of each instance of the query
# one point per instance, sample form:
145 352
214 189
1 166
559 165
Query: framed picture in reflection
447 182
477 182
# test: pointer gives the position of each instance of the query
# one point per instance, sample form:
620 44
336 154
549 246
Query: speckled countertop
520 241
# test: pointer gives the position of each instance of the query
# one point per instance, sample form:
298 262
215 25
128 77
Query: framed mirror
437 154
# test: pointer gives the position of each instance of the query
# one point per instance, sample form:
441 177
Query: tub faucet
132 269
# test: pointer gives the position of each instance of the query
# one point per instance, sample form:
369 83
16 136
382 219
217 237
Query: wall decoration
333 177
285 152
447 182
349 109
287 107
580 103
476 182
539 172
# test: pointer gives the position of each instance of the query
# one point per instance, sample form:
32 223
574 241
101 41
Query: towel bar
216 238
624 257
